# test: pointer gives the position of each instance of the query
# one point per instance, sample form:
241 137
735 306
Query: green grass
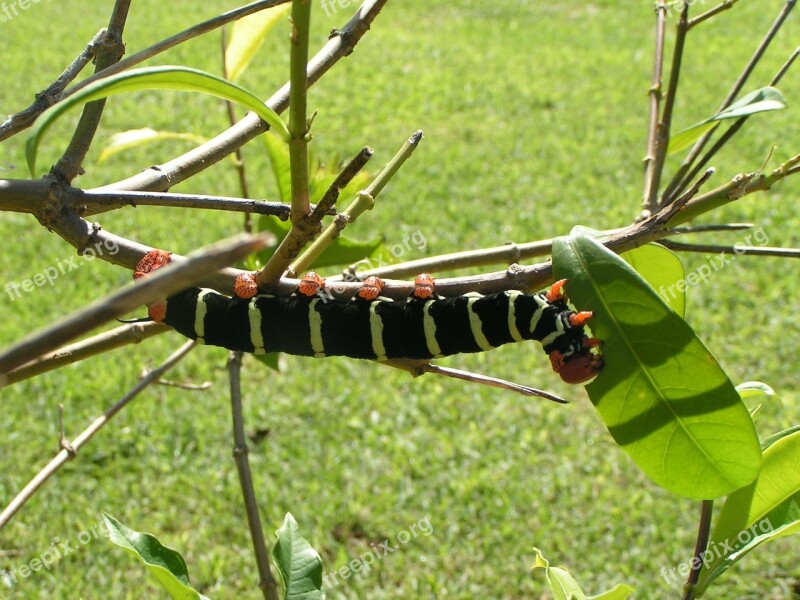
534 116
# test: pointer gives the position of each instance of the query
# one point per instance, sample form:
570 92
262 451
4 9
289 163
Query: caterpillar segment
369 326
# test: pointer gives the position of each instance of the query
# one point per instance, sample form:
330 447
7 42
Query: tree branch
69 450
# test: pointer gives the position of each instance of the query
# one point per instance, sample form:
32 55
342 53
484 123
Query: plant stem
648 200
266 581
298 108
703 532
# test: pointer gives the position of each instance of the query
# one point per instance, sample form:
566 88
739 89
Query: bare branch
109 52
52 94
132 333
72 448
162 283
727 4
266 582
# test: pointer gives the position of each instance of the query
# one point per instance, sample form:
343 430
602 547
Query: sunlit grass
534 116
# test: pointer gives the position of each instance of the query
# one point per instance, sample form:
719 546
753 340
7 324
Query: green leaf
563 585
166 77
165 564
278 153
755 389
621 591
662 395
343 251
662 269
247 37
271 360
762 100
767 509
125 140
298 562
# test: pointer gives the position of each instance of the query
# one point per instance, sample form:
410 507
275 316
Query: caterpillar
368 326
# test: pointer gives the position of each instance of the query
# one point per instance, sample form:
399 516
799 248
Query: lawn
535 117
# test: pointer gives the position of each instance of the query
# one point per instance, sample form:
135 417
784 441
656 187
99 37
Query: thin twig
266 582
703 532
49 96
491 382
734 249
92 199
162 283
69 452
648 202
110 51
679 179
714 227
665 124
131 333
727 4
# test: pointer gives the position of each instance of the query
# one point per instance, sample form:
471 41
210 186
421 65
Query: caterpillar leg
310 284
424 286
245 286
371 288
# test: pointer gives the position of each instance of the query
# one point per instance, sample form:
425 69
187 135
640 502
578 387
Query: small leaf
767 509
278 153
564 587
621 591
165 564
299 564
271 360
247 37
762 100
561 583
663 270
167 77
755 389
125 140
343 250
662 395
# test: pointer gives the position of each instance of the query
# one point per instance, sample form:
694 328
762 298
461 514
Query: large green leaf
165 564
298 562
167 77
761 100
767 509
663 270
247 37
662 395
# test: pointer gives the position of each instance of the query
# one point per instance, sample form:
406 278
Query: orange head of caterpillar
245 286
310 284
576 368
155 259
424 286
371 288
